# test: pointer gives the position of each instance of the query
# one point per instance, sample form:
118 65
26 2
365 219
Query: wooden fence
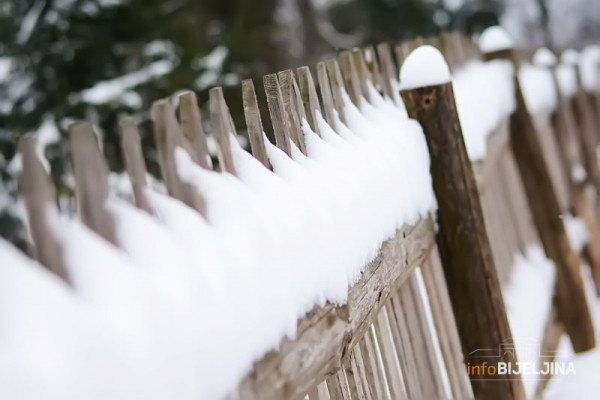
420 307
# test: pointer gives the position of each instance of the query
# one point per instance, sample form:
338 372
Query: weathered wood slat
168 138
191 125
373 369
443 319
254 123
388 70
91 181
40 201
309 97
278 114
326 93
286 82
329 333
134 161
223 128
389 355
350 74
337 87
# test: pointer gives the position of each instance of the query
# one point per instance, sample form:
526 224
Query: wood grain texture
223 128
462 239
326 94
309 97
277 111
254 123
351 78
337 87
328 334
389 71
291 111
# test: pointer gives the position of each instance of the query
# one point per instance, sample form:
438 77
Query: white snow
484 98
544 57
567 79
539 89
570 57
589 64
425 66
495 38
528 299
188 303
119 89
576 231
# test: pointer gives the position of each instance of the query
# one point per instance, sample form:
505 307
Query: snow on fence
310 268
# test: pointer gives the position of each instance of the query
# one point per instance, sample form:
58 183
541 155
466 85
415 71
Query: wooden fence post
571 303
464 247
40 200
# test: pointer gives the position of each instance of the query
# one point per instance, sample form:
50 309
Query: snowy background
62 60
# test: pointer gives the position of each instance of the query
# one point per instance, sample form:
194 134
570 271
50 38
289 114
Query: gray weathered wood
309 96
277 111
169 137
350 74
191 125
254 123
91 181
223 128
134 161
286 82
326 94
362 72
40 201
388 69
327 334
337 87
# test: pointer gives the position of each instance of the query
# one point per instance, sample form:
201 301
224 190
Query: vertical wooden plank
362 72
372 370
406 352
254 123
462 239
338 388
277 111
359 377
389 354
91 181
221 120
167 140
428 369
373 68
286 82
40 201
169 137
443 319
326 94
309 97
389 72
191 125
350 74
337 87
134 161
572 306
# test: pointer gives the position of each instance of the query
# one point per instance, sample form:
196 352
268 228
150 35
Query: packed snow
570 57
528 299
589 65
544 57
539 88
425 66
495 38
480 116
186 304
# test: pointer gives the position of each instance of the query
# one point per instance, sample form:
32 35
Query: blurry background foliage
62 60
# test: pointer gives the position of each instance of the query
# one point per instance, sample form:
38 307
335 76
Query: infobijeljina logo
503 363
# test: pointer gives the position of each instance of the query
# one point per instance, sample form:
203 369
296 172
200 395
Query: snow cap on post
425 66
589 62
570 57
544 57
495 38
